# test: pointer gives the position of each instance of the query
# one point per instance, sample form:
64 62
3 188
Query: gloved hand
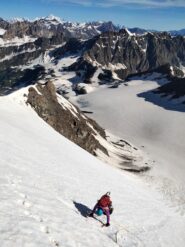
91 214
107 224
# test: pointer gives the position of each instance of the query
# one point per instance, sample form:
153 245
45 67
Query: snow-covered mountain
30 51
137 30
67 119
178 32
51 25
86 30
133 85
126 54
48 185
51 50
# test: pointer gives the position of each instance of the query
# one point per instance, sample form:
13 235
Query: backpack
104 201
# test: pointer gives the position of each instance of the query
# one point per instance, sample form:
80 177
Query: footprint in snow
46 230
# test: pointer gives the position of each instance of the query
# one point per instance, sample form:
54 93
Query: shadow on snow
85 211
162 101
82 209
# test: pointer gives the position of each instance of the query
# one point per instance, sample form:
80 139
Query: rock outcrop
66 118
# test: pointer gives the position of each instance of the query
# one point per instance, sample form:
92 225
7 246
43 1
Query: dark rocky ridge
12 58
32 29
67 120
175 85
115 52
51 26
42 35
4 24
13 79
175 88
138 54
39 45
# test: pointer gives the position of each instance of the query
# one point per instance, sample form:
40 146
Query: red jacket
104 201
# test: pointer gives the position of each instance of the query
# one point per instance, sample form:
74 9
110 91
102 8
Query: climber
103 206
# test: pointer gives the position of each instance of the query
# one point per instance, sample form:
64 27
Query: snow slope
46 181
2 31
157 131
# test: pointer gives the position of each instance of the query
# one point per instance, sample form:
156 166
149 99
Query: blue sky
150 14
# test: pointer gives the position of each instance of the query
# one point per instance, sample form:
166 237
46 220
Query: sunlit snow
48 183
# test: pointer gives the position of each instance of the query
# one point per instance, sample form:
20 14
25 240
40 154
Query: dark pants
105 210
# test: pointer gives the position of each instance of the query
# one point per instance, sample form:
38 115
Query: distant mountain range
179 32
103 52
75 29
48 26
142 31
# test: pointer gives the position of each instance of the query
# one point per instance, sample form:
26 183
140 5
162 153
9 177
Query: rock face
52 26
126 54
175 88
66 118
39 28
23 42
14 57
4 24
105 53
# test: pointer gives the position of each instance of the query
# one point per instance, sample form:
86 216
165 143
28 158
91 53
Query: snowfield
160 133
48 184
2 31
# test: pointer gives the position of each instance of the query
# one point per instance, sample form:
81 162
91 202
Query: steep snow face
48 184
53 18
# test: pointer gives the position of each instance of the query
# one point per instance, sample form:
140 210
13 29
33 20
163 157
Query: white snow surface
16 41
53 17
183 69
2 31
8 57
42 174
157 131
19 19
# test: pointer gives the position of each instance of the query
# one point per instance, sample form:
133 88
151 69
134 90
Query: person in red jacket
104 204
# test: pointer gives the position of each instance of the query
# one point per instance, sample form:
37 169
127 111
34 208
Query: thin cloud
111 3
77 2
143 3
